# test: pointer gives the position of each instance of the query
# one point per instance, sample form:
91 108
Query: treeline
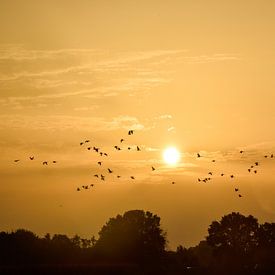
135 243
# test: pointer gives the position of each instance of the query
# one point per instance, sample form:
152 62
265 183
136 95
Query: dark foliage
134 243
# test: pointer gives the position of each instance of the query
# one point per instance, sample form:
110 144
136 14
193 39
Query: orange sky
197 75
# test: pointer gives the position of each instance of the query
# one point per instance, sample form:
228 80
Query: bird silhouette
78 189
153 168
95 149
16 160
31 158
110 171
272 156
129 148
54 161
240 195
130 132
249 170
87 140
138 149
96 175
102 177
92 185
232 176
222 174
45 163
99 162
81 143
213 160
101 154
257 163
118 176
236 189
132 177
173 182
241 151
121 140
255 171
105 154
89 148
198 155
265 156
210 173
199 179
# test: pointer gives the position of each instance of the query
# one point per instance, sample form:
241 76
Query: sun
171 155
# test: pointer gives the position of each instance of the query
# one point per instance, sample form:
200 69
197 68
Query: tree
234 238
136 235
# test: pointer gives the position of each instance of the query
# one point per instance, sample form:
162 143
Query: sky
195 75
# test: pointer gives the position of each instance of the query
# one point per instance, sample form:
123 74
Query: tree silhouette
234 238
134 236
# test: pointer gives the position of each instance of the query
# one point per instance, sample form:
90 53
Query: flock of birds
251 169
102 176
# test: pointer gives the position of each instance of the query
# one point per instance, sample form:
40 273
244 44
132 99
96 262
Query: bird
129 148
16 160
240 195
255 171
130 132
265 156
241 151
96 175
45 163
99 162
78 189
257 163
132 177
102 177
96 149
31 158
54 161
236 189
87 140
118 176
153 168
210 173
249 170
173 182
204 180
110 171
232 176
81 143
101 154
138 149
105 154
251 166
117 148
92 185
199 179
89 148
198 155
213 160
272 156
222 174
121 140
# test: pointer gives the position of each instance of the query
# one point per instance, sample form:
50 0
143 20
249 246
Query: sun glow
171 155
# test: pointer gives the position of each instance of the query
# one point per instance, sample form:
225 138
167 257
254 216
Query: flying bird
101 154
87 140
138 149
257 163
272 156
54 161
102 177
45 163
198 155
89 148
240 195
132 177
213 160
129 148
232 176
96 149
110 171
105 154
222 174
255 171
96 175
265 156
121 140
130 132
118 176
210 173
99 162
241 151
16 160
236 189
173 182
249 170
153 168
78 189
81 143
31 158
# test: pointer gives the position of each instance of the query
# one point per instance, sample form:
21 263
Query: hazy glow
171 155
